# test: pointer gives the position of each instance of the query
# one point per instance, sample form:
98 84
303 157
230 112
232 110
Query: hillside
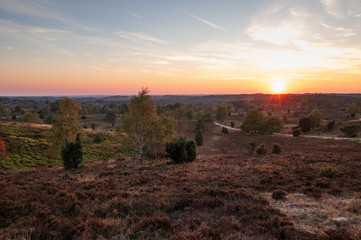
224 194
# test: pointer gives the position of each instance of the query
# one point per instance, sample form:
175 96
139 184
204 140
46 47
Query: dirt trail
230 128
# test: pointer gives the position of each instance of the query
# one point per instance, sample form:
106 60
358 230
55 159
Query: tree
145 133
221 114
353 109
30 117
256 122
72 153
315 117
111 116
65 122
189 113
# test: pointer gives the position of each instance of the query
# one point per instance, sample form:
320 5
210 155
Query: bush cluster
181 150
224 130
350 130
72 153
328 172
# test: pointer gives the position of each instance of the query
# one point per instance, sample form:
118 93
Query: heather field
225 194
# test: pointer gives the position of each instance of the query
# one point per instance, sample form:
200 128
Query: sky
51 47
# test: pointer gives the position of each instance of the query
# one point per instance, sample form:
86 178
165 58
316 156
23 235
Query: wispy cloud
40 9
139 37
135 15
209 23
342 8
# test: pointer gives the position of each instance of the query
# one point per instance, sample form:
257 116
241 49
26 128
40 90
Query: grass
27 147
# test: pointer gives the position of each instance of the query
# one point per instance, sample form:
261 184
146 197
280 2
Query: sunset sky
50 47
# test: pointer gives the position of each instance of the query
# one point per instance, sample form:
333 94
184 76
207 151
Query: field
224 194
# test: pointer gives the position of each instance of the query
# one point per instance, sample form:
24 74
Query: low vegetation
181 150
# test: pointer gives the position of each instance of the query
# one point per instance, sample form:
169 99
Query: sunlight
278 85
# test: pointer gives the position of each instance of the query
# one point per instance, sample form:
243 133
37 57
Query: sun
278 86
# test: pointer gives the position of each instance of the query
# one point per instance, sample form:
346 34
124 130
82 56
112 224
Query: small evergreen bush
224 130
331 124
296 131
305 124
261 149
350 130
191 152
72 153
276 149
199 137
181 150
232 124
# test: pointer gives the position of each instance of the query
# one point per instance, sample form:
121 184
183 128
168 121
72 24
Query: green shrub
328 172
350 130
224 130
305 124
261 149
276 149
330 124
296 131
191 152
181 150
232 124
199 137
72 153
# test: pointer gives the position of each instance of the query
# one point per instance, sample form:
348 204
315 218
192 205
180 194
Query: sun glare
278 86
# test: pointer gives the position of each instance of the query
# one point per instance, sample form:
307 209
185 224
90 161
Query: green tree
111 116
305 124
30 117
221 114
353 109
256 122
189 113
315 117
145 133
65 122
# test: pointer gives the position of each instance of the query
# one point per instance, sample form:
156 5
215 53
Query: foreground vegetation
28 146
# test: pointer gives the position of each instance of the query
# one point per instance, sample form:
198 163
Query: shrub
181 150
350 130
276 149
328 172
261 149
232 124
199 137
315 117
191 152
330 124
278 194
305 124
72 153
252 146
296 131
83 117
224 130
93 126
2 148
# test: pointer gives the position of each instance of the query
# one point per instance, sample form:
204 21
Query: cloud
342 8
209 23
42 9
340 31
139 37
135 15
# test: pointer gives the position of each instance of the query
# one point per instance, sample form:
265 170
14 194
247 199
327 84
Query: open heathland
224 194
